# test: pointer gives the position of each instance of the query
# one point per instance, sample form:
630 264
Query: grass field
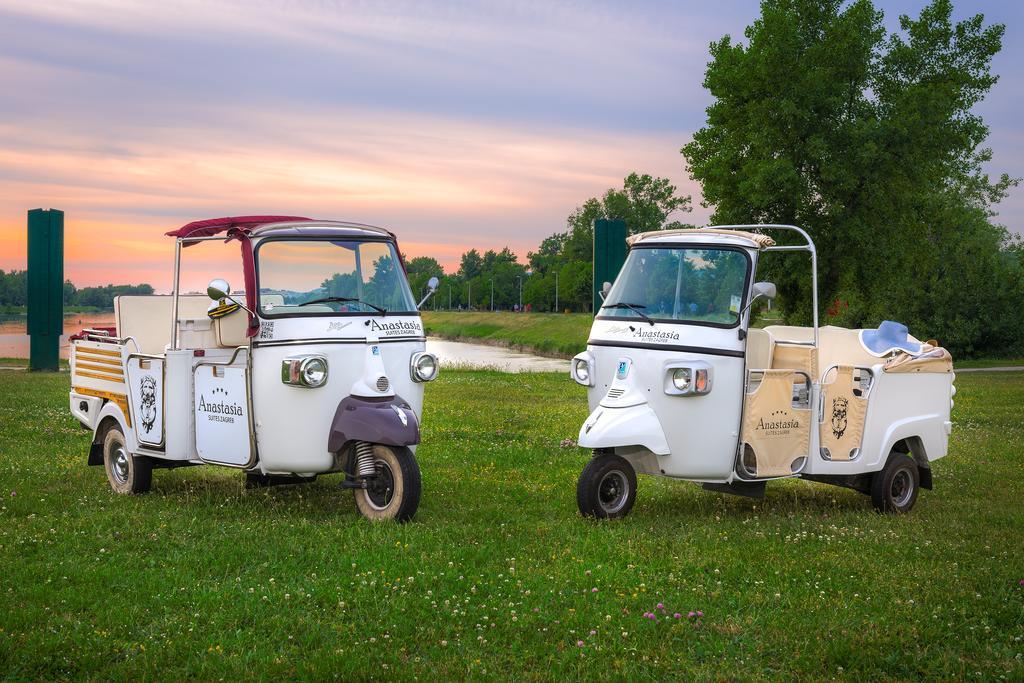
499 577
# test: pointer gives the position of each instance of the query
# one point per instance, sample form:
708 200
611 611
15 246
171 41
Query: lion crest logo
839 405
147 392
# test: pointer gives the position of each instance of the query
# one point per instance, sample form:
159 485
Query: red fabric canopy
213 226
237 227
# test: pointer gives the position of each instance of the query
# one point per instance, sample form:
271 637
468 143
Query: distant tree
548 254
420 270
103 296
13 288
470 265
644 203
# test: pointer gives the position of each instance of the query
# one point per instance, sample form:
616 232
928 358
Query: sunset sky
455 124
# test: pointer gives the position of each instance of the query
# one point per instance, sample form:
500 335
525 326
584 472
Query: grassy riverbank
499 577
553 334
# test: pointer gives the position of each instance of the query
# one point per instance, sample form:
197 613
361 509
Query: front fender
618 427
388 421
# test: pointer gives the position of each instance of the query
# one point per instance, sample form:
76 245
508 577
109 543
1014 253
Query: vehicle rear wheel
606 488
894 489
394 491
126 473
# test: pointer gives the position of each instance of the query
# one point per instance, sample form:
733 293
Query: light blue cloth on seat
890 336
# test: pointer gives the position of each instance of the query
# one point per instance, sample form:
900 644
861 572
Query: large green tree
869 140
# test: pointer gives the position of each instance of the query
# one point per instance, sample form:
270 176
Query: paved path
1004 368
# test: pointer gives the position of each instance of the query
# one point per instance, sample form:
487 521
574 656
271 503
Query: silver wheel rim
119 465
612 491
389 497
902 488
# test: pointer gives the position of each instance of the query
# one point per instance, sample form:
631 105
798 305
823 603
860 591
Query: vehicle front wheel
394 490
126 473
894 489
606 488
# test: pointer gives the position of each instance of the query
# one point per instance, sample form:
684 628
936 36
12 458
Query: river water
14 343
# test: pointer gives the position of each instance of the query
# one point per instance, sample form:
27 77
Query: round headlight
313 372
681 378
582 370
425 367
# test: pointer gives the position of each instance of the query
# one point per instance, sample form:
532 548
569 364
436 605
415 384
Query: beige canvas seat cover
777 432
931 359
842 422
795 357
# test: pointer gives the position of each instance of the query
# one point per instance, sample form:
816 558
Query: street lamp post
556 291
528 274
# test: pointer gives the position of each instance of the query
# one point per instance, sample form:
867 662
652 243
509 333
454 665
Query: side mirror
759 290
218 289
763 289
605 288
431 288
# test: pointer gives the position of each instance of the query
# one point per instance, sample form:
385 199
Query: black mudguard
374 421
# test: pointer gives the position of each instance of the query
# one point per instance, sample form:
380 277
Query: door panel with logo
221 408
146 393
776 433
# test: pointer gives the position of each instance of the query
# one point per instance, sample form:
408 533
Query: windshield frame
690 245
332 314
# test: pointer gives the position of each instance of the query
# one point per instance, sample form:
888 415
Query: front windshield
320 276
674 284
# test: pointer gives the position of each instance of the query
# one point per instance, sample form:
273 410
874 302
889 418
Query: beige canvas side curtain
777 424
844 407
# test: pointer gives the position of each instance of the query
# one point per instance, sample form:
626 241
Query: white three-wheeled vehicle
680 385
318 368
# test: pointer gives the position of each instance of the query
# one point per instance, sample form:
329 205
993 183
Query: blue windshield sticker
375 350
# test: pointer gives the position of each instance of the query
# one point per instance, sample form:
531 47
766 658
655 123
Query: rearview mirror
763 289
218 289
605 288
432 284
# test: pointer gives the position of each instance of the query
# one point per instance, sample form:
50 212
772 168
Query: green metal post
45 288
609 254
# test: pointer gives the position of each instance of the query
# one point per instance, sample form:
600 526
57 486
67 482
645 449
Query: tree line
559 274
14 292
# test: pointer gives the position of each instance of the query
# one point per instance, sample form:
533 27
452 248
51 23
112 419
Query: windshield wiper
633 307
345 299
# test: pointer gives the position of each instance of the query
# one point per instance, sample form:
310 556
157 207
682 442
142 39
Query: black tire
126 473
606 488
395 492
894 489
